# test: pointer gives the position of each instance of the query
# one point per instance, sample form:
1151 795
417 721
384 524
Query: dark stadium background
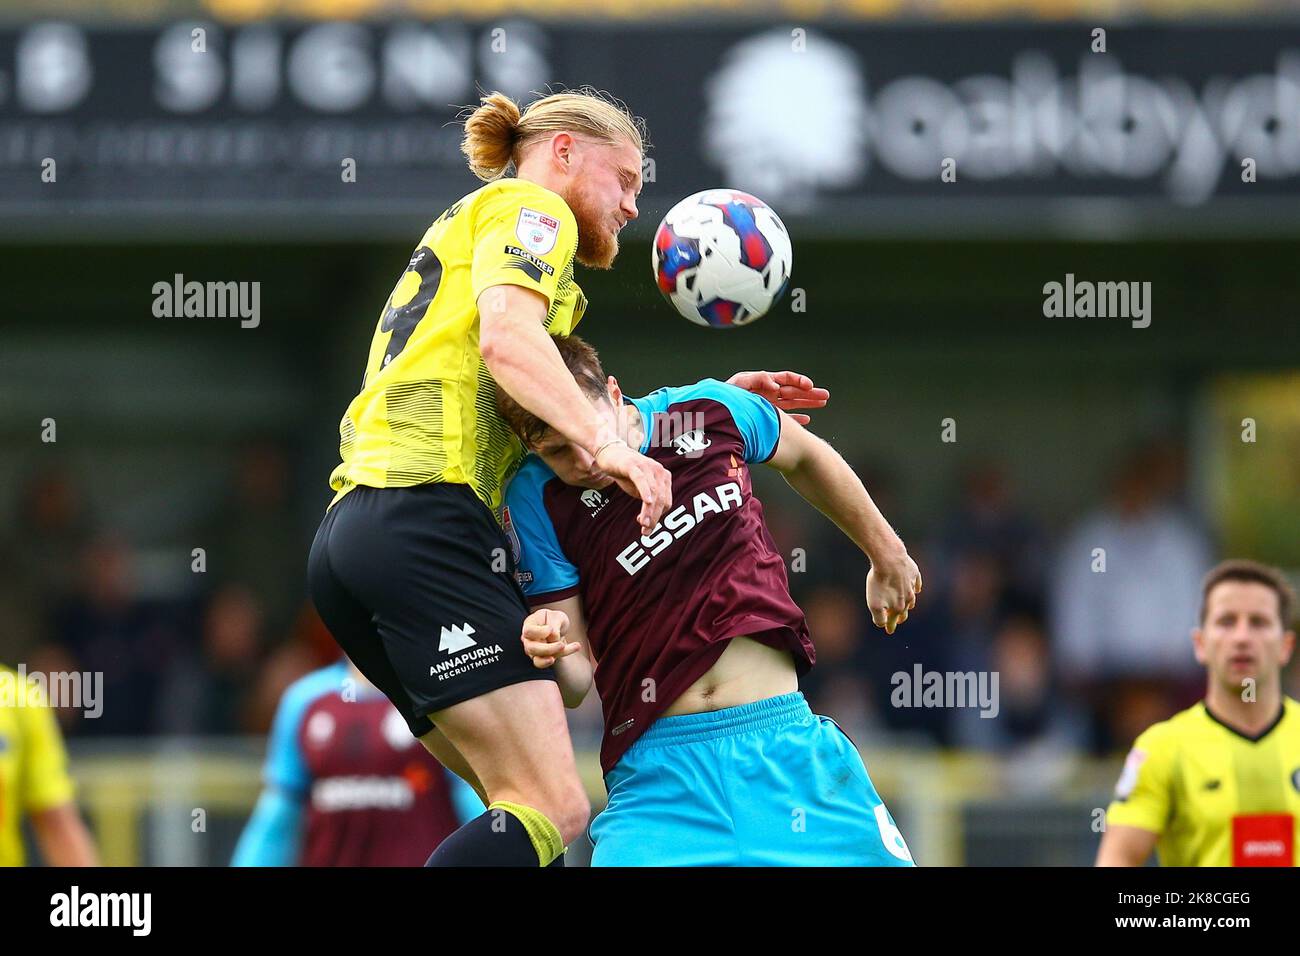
175 434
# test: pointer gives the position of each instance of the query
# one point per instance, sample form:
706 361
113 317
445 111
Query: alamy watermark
681 431
1102 300
947 689
208 300
76 690
74 908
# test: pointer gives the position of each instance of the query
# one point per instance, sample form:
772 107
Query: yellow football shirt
1215 796
33 764
426 411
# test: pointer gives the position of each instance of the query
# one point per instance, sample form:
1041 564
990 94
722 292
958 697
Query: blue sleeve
463 798
285 767
757 419
272 833
543 569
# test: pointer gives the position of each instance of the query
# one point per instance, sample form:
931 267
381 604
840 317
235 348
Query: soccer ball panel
722 258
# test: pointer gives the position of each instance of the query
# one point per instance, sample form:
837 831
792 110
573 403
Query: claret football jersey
370 792
661 607
1215 796
427 410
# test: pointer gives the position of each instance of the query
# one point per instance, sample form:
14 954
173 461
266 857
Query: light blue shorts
764 784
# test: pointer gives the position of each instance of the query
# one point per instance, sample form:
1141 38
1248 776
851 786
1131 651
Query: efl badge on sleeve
537 231
516 551
1263 839
1128 779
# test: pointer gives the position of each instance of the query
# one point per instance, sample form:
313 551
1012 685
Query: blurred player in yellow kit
34 780
1219 783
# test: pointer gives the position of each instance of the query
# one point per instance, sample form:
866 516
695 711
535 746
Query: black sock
495 838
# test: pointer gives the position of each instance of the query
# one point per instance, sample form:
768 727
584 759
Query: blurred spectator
975 598
839 686
1032 721
103 628
1132 621
988 521
22 617
256 540
922 640
310 632
1128 706
211 690
52 528
39 560
310 647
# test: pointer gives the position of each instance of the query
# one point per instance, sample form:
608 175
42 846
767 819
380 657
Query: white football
722 258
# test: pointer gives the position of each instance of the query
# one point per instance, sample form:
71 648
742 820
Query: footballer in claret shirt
346 784
710 753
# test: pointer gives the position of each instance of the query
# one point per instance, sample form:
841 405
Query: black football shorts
417 586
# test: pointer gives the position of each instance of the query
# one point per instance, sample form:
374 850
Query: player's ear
1198 644
615 393
1288 646
562 149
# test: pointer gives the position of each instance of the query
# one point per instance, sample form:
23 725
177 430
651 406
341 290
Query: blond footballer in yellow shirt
427 410
410 569
1219 783
34 781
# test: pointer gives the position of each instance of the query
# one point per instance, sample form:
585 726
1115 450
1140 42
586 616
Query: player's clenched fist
892 586
543 637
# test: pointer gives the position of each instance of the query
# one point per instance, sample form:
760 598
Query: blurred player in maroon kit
347 785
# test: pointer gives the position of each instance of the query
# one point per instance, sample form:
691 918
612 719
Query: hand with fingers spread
543 637
786 390
893 583
640 477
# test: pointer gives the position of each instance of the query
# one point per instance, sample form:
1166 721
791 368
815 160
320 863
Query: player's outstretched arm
824 479
786 390
63 838
555 635
1125 846
519 353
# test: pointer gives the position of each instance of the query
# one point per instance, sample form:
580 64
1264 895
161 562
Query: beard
597 246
